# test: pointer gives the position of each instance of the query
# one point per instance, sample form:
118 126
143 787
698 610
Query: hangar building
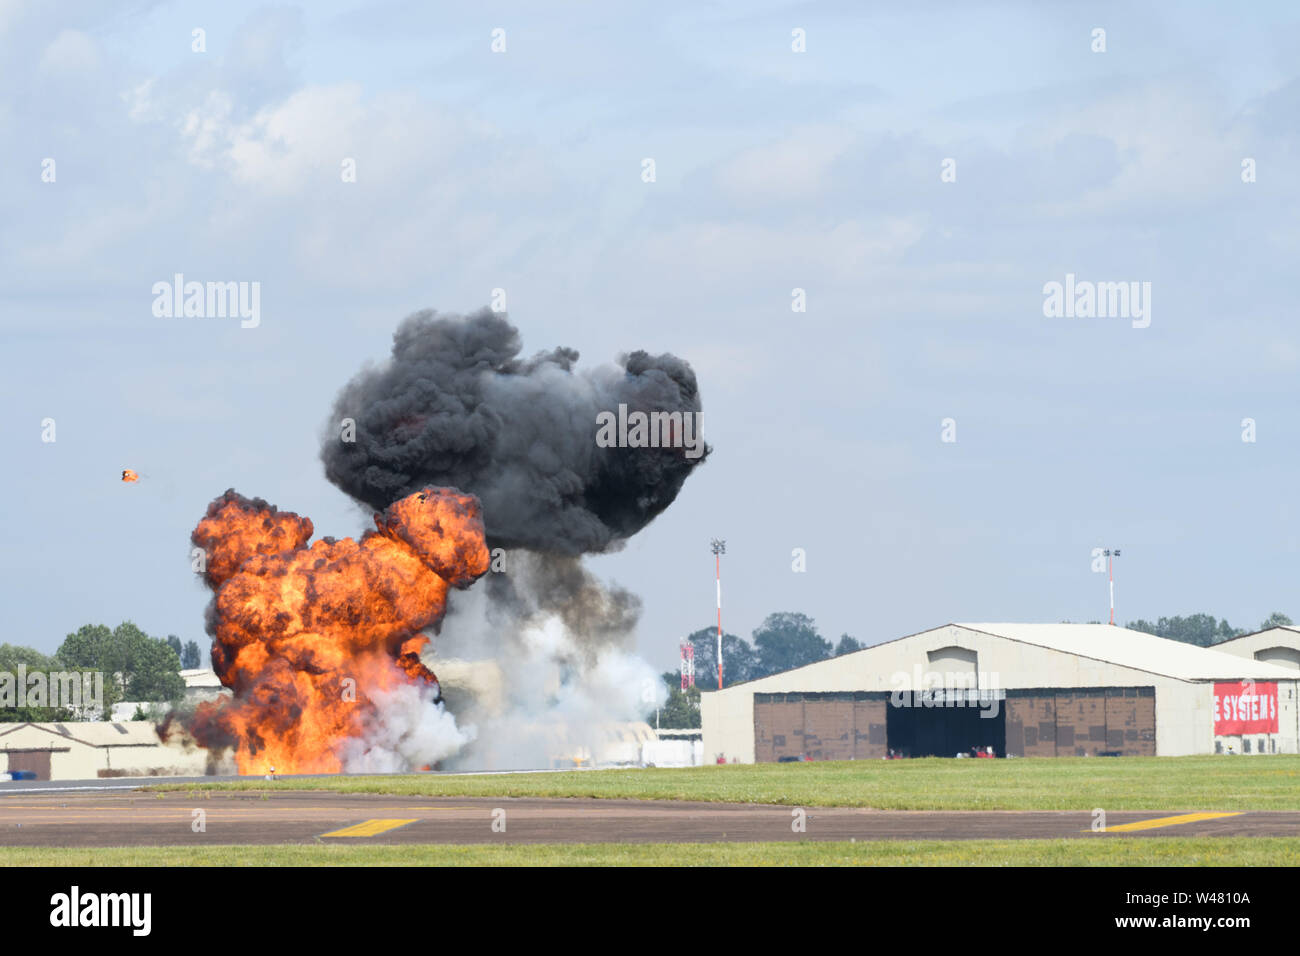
1026 690
81 751
1277 645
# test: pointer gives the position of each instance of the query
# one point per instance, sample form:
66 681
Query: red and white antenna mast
719 549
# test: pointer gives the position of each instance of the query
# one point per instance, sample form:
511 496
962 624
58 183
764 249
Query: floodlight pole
719 549
1110 570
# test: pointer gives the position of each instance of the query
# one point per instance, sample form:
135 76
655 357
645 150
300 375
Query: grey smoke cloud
456 405
538 658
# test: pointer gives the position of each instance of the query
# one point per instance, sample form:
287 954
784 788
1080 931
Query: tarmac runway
137 818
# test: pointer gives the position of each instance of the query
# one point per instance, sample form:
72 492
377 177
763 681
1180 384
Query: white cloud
207 128
720 251
791 168
70 52
1172 143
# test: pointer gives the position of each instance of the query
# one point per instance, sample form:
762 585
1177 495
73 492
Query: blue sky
775 170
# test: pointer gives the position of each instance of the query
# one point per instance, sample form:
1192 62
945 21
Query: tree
135 665
785 640
174 643
11 655
847 645
155 671
191 659
32 662
739 662
1199 629
93 648
681 709
1276 619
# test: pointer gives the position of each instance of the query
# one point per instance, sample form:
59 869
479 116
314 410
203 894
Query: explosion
458 403
321 644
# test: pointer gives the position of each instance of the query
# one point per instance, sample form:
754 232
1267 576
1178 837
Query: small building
1024 690
202 683
83 751
674 747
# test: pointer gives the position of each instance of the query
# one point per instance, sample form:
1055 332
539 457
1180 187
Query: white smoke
537 672
537 695
408 729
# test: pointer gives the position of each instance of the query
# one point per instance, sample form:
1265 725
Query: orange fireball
129 475
304 636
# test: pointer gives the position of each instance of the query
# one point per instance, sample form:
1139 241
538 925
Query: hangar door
827 726
948 713
1093 721
946 724
37 761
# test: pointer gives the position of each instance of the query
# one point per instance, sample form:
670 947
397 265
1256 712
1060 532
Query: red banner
1245 707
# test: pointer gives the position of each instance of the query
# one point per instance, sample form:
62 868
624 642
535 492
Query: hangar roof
1274 645
1137 650
200 677
132 733
1291 633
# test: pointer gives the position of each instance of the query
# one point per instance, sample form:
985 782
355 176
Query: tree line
1202 629
135 666
784 640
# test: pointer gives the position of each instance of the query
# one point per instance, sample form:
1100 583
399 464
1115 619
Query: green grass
1197 851
1063 783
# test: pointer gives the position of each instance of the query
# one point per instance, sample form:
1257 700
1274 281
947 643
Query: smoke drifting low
456 406
538 666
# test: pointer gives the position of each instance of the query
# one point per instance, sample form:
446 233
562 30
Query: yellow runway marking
369 828
1169 821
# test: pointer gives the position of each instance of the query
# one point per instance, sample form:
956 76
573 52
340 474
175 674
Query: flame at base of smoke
321 644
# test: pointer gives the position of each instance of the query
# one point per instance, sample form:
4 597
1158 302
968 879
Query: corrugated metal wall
1072 723
847 726
1039 723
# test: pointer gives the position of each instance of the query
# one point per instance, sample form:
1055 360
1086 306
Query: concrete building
202 683
1026 690
674 747
84 751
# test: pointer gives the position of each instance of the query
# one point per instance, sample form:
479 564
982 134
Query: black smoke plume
456 406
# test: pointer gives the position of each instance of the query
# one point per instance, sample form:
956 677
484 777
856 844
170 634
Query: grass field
1073 783
1222 851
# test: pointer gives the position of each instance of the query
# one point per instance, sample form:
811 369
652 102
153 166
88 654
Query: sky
776 169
